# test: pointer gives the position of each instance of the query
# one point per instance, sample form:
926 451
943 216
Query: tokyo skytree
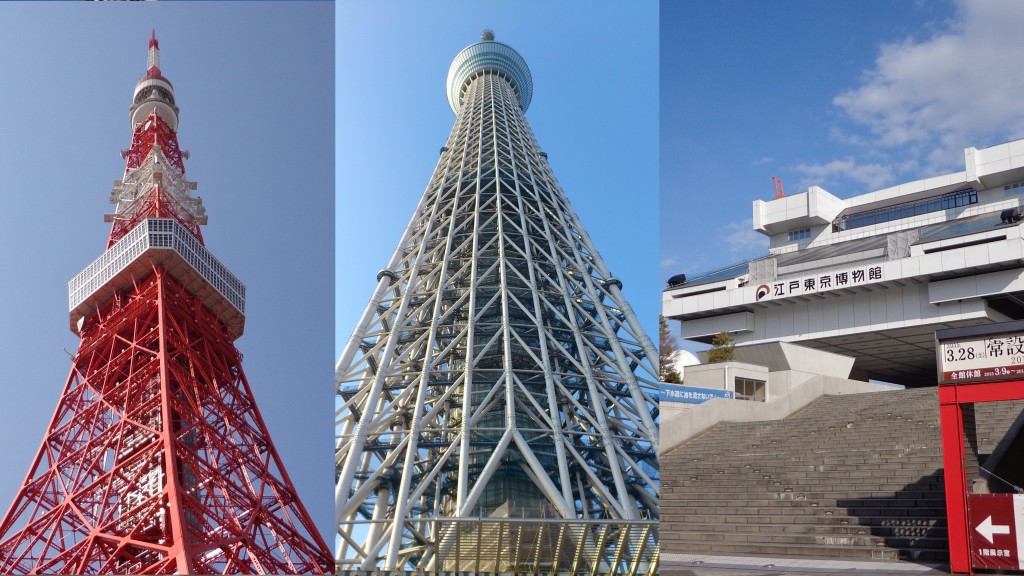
496 404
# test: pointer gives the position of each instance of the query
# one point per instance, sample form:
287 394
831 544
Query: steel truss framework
157 376
157 460
497 370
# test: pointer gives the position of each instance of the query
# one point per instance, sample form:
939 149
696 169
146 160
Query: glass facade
748 389
905 210
800 234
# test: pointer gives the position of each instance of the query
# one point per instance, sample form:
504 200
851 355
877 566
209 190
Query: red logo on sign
762 291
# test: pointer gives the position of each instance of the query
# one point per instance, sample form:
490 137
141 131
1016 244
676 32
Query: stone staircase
986 437
854 476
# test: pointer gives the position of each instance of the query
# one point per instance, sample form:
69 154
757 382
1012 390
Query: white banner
996 357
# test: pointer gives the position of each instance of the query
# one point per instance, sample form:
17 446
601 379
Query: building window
748 389
800 234
964 197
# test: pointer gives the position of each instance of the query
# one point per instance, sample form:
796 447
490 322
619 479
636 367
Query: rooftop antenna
777 184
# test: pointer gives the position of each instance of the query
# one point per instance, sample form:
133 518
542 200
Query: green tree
667 353
722 346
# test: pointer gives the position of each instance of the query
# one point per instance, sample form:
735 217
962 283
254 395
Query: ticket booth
984 506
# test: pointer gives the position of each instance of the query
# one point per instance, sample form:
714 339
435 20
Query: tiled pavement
717 565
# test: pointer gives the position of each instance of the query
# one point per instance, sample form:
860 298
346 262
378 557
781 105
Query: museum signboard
981 358
978 364
823 282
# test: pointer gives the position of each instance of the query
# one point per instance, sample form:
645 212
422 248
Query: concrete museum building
850 294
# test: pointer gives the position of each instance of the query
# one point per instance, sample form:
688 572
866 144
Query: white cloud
743 242
839 135
762 161
960 87
874 175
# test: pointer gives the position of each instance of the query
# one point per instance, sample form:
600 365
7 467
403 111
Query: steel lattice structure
495 407
157 460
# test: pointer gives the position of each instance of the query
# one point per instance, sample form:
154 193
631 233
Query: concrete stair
854 476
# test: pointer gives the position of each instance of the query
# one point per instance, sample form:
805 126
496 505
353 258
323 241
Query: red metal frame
157 389
157 460
777 184
951 399
154 131
154 204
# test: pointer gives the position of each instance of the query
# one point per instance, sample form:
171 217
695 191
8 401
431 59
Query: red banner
997 530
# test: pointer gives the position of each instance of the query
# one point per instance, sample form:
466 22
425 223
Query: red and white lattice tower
157 460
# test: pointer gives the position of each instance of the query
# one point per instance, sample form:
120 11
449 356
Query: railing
947 201
161 237
524 546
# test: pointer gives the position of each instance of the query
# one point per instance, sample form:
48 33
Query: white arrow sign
988 529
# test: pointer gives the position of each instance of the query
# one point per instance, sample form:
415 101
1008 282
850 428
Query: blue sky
256 92
851 95
594 111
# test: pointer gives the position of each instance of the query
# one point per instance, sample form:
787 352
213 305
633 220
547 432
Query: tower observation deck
157 460
495 400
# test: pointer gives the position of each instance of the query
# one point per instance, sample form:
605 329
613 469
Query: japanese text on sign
690 395
995 357
819 283
996 540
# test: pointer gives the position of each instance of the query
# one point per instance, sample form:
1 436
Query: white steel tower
495 408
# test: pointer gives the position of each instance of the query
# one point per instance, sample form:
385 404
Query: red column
952 422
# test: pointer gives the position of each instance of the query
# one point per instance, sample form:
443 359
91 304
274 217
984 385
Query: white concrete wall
785 381
993 159
679 424
802 358
722 375
990 252
882 305
781 244
777 217
738 323
815 207
906 189
976 286
778 357
898 307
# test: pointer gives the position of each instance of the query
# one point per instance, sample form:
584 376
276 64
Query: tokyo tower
156 460
495 408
